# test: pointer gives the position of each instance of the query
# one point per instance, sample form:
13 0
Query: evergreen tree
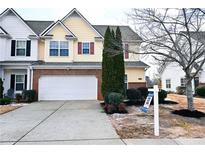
119 63
112 63
107 64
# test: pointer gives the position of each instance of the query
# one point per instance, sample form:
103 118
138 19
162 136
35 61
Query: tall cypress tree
119 66
107 64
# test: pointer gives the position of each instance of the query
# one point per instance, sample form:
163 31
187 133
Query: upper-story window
59 48
20 48
86 48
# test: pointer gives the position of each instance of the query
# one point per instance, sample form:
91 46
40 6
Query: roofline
11 9
74 9
5 32
53 25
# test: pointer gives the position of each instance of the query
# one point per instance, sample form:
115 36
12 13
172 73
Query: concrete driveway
69 122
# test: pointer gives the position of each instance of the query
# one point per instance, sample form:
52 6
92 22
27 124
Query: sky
114 16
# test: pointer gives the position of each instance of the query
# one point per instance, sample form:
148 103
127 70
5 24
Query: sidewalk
164 141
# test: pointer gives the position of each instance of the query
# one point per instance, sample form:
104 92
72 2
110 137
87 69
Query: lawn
137 124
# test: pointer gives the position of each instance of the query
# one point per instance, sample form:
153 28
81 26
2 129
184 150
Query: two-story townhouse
18 49
69 57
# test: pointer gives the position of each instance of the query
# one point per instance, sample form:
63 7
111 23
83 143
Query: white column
156 111
28 78
31 78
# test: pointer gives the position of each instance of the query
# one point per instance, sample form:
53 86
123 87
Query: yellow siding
58 33
133 74
84 33
41 49
133 47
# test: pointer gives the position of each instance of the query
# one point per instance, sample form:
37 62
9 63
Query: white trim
53 25
19 82
19 17
59 48
20 48
75 10
88 48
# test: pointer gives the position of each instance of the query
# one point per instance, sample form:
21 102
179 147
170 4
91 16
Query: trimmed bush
181 90
143 91
115 98
29 95
133 94
162 95
1 88
200 91
5 101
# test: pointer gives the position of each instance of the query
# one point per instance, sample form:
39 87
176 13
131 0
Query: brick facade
37 73
136 84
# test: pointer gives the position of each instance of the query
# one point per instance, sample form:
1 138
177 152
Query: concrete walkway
70 122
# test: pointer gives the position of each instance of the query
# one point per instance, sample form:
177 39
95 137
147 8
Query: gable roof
127 33
16 14
53 25
76 11
38 26
2 31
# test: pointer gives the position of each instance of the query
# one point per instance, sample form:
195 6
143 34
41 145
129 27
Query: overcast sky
115 16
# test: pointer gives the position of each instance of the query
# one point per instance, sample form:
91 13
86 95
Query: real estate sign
148 100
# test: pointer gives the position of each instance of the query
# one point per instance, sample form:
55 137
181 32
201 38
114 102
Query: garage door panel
68 88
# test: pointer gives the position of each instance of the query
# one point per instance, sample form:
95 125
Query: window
54 48
59 48
125 82
168 83
86 48
183 82
63 48
19 82
20 48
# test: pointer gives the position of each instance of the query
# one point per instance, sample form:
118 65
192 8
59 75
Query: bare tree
173 35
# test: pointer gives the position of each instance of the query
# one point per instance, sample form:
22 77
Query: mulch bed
188 113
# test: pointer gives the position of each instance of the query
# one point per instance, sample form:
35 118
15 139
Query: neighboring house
173 76
61 60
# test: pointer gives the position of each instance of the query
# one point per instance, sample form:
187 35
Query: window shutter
92 48
13 47
12 81
126 51
28 48
79 48
25 82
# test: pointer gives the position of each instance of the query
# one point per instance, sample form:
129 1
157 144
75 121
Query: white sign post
156 111
145 108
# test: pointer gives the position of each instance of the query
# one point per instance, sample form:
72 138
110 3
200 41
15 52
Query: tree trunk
189 95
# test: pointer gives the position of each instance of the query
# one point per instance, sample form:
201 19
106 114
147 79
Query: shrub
143 91
162 95
133 94
10 93
200 91
114 103
181 90
18 98
122 108
5 101
115 98
29 95
1 88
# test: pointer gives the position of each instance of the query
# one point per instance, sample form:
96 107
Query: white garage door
67 88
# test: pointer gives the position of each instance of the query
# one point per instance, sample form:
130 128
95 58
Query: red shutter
126 51
79 48
92 48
